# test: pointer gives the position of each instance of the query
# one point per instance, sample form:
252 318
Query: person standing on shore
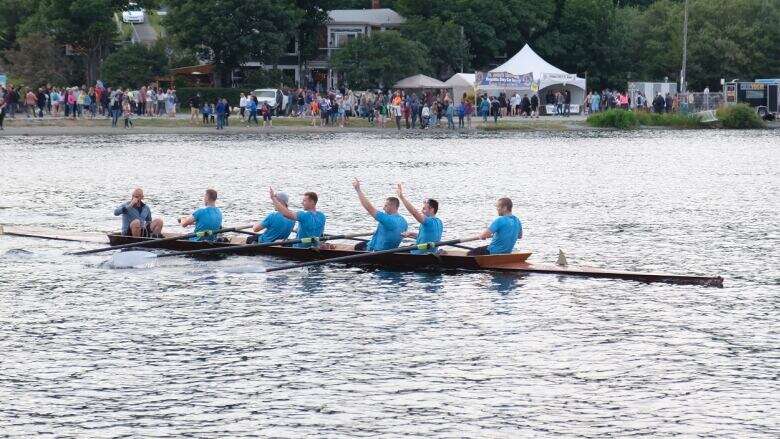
127 111
535 105
3 106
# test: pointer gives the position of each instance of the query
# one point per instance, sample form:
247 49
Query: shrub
677 120
739 116
208 94
615 118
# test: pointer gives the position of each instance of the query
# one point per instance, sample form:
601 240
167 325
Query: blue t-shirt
310 224
276 227
388 232
430 231
506 230
207 218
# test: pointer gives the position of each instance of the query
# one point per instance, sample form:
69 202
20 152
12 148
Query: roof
419 81
461 80
374 17
527 61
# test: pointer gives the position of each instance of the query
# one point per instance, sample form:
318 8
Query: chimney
375 4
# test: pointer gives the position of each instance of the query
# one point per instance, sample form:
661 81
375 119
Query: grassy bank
734 117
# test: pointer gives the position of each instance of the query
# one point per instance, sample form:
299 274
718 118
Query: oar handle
157 241
367 255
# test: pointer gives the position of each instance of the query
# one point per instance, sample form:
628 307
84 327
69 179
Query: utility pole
683 78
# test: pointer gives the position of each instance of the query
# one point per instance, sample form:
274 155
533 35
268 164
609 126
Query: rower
311 222
207 218
390 224
137 217
431 227
276 226
505 230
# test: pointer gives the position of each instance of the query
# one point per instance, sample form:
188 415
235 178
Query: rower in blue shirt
276 226
205 219
390 225
505 230
311 222
431 227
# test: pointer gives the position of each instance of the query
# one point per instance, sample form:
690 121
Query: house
343 26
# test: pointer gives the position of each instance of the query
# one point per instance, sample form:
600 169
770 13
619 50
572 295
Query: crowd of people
82 102
609 99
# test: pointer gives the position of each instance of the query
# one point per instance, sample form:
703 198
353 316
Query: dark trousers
479 251
2 118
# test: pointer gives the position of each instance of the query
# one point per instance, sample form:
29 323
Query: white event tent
461 83
548 77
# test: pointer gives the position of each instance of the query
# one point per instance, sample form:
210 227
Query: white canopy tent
461 83
549 78
419 82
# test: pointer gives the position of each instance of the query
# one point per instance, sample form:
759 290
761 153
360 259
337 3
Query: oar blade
132 259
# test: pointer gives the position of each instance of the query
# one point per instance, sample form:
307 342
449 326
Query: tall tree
231 32
448 49
39 60
379 60
134 65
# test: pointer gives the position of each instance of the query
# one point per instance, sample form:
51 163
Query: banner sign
504 80
562 77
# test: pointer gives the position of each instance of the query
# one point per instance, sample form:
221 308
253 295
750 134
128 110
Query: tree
380 59
448 50
134 65
12 14
232 32
39 60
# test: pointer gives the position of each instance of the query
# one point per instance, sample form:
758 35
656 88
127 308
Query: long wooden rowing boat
452 260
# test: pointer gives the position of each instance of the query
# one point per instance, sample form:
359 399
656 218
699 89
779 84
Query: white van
270 96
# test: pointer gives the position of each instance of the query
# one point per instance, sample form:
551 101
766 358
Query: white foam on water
132 259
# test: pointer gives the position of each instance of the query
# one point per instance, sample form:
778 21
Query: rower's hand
272 193
356 184
400 190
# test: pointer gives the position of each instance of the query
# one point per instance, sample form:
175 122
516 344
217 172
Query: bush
621 119
677 120
134 65
739 116
208 94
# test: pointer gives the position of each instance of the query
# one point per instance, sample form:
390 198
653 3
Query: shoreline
181 126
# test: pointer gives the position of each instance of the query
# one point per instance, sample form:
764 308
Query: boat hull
515 262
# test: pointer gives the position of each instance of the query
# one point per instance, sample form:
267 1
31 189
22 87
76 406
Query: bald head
138 192
137 197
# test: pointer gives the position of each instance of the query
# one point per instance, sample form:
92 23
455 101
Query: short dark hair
433 204
312 196
394 201
211 194
505 202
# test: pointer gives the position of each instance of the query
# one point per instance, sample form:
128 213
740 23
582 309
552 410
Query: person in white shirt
242 105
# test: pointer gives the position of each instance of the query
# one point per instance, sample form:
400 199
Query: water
218 349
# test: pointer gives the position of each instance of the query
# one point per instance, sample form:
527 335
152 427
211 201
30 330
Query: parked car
133 14
271 96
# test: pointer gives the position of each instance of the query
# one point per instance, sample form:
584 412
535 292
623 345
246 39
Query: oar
135 258
368 255
157 241
465 247
30 235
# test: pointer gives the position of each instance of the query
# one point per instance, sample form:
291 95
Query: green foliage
272 78
739 116
134 65
676 120
231 32
621 119
39 60
380 59
207 94
447 50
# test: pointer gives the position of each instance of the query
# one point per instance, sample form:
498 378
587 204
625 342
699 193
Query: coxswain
276 226
390 225
431 227
207 219
137 217
505 231
311 222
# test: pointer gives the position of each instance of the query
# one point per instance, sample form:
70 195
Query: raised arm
363 200
121 209
413 210
284 210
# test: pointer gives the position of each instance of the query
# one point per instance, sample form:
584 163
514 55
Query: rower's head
391 205
283 198
137 196
504 206
210 197
309 201
430 207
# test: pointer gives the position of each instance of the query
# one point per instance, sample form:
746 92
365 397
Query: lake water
217 349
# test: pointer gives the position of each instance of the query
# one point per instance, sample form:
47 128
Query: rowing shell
453 260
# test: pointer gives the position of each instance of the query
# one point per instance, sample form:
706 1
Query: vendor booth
461 83
527 72
419 82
